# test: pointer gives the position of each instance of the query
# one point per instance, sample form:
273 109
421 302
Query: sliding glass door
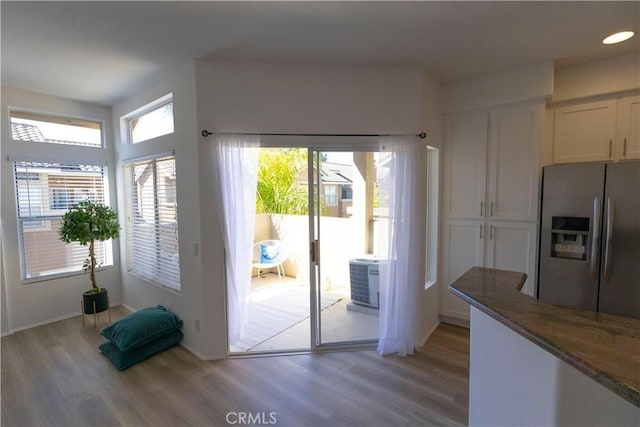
347 232
314 269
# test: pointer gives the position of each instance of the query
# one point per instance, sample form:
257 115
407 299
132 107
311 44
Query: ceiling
103 52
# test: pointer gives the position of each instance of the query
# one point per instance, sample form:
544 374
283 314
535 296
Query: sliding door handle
314 252
595 240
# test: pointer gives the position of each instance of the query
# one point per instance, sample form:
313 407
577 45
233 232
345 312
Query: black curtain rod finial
422 135
206 133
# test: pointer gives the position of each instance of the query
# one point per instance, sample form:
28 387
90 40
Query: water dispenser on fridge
569 237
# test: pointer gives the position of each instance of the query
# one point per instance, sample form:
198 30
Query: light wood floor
54 375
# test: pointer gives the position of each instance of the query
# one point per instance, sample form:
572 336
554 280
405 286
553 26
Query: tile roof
28 132
336 173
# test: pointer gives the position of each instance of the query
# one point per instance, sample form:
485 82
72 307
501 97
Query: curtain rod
205 133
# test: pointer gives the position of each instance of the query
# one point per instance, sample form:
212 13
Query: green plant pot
101 299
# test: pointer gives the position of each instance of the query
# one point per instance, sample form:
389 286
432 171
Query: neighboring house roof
49 167
167 169
23 131
28 132
336 173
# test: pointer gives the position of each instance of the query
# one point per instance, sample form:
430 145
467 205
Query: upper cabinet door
466 164
584 133
514 158
628 136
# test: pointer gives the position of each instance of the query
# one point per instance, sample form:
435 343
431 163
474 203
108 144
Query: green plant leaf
86 223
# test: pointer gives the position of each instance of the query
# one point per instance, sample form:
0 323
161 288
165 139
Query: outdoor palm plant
279 190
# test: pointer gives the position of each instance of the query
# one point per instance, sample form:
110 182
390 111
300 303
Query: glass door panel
348 231
278 308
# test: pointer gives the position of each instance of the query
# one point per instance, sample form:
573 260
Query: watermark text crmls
259 418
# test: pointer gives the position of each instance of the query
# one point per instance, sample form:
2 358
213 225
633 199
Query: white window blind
152 221
44 192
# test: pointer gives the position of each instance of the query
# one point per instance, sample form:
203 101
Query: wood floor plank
54 375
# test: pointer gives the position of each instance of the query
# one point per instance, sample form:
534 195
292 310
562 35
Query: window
330 195
156 119
43 128
347 192
44 191
431 260
152 221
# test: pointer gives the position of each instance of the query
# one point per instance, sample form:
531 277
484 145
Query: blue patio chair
268 254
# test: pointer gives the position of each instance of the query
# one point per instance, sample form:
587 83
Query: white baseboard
200 355
46 322
126 307
427 335
455 321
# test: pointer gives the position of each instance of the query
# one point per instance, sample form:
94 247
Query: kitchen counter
603 347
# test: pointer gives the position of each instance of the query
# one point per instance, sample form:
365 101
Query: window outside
44 192
48 129
152 123
152 221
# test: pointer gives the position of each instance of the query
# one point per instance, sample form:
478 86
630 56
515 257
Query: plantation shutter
44 192
152 221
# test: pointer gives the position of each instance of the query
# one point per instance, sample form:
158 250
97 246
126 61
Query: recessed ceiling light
618 37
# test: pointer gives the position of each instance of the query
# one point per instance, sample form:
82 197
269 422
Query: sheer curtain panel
236 160
400 276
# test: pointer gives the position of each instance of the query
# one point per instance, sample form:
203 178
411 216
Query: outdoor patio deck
279 317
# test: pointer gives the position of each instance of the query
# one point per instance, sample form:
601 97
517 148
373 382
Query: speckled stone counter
603 347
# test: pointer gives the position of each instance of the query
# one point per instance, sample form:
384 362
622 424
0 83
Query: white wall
138 293
607 76
429 308
42 302
284 98
4 316
503 87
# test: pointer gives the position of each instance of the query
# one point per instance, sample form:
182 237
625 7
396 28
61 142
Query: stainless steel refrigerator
590 237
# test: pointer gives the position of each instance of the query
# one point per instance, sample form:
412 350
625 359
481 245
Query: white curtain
400 277
236 159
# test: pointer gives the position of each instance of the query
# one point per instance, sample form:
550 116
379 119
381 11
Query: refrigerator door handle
595 243
608 248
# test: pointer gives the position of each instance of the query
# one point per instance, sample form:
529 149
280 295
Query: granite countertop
603 347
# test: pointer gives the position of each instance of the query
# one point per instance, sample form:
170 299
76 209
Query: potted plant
86 223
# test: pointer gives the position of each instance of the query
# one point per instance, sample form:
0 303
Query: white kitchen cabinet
462 248
490 194
514 163
628 128
492 163
585 132
506 245
512 246
597 131
466 164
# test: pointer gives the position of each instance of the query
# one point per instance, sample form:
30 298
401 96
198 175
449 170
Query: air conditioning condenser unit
364 274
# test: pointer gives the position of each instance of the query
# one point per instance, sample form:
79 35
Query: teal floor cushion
141 335
125 359
142 327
